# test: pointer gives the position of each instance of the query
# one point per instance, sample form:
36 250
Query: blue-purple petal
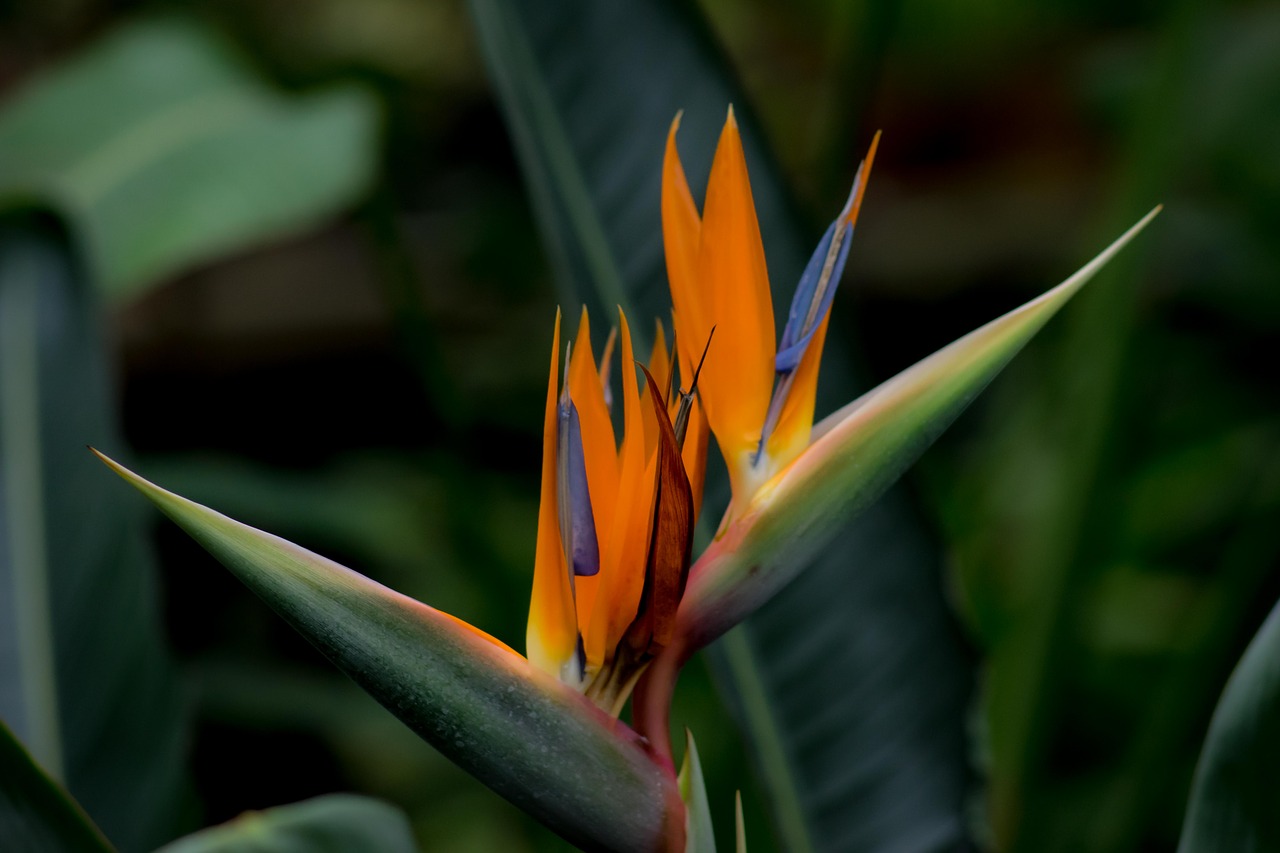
584 550
795 338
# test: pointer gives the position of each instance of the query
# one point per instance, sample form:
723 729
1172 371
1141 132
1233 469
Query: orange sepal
660 366
623 557
864 173
737 380
681 230
695 454
697 432
791 436
659 361
551 638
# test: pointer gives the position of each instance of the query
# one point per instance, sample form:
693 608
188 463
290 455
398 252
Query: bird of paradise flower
617 604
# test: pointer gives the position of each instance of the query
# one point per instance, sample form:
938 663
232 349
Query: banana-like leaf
855 455
163 150
589 91
36 814
85 678
699 835
537 743
332 823
1233 795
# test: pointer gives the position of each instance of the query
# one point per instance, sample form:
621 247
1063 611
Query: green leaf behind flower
85 678
1233 796
36 814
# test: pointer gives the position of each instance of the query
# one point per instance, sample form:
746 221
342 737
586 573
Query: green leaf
855 455
1233 795
739 824
589 91
699 836
528 737
163 151
330 824
36 815
85 680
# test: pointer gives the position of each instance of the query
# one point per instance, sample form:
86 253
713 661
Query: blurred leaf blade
163 151
85 672
330 823
36 814
589 93
1232 805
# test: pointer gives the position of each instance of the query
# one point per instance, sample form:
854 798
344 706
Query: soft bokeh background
372 387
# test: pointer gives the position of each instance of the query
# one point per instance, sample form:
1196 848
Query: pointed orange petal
633 413
738 378
585 588
680 236
697 432
695 454
791 436
659 359
552 635
606 359
599 448
864 172
622 561
660 367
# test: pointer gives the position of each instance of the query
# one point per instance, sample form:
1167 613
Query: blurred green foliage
1108 507
162 151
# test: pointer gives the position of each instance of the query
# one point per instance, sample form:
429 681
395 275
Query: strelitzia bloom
616 604
759 397
615 526
792 482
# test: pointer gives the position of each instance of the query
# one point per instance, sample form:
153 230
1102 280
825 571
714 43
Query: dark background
373 389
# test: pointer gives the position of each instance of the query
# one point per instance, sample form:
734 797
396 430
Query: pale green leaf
855 455
739 823
528 737
163 150
699 836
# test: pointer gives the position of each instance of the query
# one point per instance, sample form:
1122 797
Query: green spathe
535 742
855 455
